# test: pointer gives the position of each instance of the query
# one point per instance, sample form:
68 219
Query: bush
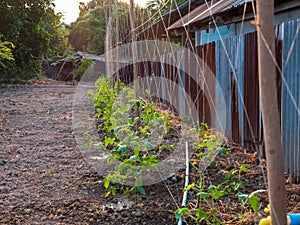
5 51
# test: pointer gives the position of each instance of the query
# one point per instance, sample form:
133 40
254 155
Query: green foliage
252 199
209 195
85 64
36 31
208 145
6 51
163 6
128 136
89 31
234 179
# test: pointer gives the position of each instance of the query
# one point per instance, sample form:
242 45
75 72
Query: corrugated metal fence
291 96
233 61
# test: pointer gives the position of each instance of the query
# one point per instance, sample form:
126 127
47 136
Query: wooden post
269 103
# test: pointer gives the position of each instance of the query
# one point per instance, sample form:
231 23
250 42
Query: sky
70 8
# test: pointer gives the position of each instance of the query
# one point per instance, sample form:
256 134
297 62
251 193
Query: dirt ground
45 180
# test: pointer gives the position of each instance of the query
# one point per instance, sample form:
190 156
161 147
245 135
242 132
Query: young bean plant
130 138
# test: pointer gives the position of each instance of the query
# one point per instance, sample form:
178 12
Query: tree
88 32
36 31
163 6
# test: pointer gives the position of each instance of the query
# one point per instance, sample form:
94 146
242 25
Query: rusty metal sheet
157 29
252 112
206 113
203 11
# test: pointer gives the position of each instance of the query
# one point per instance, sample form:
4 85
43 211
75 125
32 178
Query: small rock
27 210
9 173
2 162
58 211
137 214
3 190
110 210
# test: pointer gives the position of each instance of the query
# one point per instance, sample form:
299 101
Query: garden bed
45 180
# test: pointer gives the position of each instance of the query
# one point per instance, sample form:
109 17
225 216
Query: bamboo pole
270 111
108 42
117 44
134 47
134 59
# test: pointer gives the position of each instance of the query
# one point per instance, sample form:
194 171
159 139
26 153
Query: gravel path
43 177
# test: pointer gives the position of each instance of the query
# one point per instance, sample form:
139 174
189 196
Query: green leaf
106 182
107 194
177 214
150 160
108 140
211 188
217 194
127 192
242 197
117 129
122 148
130 121
148 145
254 202
203 195
141 190
172 147
243 168
237 186
213 165
200 214
133 158
184 211
189 187
109 159
224 150
237 216
113 191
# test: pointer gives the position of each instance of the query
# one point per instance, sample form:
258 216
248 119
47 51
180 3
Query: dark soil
45 180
